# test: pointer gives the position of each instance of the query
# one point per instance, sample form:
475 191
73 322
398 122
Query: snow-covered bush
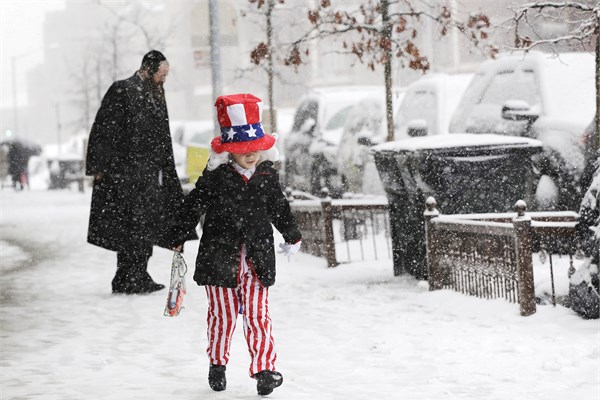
584 283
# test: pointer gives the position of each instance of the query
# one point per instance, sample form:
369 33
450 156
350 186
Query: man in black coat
137 193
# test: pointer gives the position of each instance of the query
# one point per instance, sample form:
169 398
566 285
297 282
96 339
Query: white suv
541 96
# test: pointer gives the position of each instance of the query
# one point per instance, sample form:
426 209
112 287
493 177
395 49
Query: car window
307 110
338 119
420 104
484 113
365 119
512 85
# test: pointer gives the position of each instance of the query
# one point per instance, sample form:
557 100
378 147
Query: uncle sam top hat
241 130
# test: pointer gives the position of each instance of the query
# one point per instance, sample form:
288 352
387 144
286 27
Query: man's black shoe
267 381
132 288
149 288
216 377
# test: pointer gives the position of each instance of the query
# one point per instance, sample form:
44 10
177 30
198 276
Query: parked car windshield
338 119
482 112
421 105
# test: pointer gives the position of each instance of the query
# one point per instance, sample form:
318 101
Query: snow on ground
351 332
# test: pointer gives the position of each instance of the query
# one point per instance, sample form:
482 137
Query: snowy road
353 332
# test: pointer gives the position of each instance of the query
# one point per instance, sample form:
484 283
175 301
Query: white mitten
217 159
289 250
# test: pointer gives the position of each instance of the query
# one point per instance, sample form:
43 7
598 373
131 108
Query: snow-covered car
311 145
543 96
365 127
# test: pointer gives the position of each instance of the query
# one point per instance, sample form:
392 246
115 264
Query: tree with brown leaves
376 31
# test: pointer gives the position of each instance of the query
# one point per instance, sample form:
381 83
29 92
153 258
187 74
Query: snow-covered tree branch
376 31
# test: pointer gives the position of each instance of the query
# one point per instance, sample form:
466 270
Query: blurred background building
87 44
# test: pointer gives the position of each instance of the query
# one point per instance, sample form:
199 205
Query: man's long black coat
238 212
139 196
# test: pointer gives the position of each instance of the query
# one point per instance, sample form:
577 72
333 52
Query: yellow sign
195 162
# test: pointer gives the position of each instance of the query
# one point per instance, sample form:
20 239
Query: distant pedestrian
241 197
137 192
18 158
18 153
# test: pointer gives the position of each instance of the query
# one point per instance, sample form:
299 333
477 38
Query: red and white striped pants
251 300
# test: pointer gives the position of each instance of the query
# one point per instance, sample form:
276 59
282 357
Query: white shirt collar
243 171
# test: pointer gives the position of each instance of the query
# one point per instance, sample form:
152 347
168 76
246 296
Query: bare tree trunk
596 139
115 51
272 116
98 79
215 54
387 69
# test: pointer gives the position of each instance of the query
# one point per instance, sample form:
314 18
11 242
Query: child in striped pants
240 195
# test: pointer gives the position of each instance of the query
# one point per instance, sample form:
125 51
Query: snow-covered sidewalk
352 332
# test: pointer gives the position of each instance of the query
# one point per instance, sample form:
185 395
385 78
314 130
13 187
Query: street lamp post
14 95
58 127
14 89
215 53
14 84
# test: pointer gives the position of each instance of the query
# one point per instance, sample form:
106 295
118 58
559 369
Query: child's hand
178 248
289 250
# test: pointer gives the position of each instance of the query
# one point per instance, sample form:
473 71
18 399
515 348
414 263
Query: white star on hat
230 134
251 131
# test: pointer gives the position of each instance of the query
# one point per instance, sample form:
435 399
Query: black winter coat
138 199
238 212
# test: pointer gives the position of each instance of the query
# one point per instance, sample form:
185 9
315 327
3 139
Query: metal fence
490 255
343 230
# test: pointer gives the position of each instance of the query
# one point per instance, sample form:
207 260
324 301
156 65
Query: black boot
145 284
267 381
132 276
216 377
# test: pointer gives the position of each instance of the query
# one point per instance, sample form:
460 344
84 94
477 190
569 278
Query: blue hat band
242 133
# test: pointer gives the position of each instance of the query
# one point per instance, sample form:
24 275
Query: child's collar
243 171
